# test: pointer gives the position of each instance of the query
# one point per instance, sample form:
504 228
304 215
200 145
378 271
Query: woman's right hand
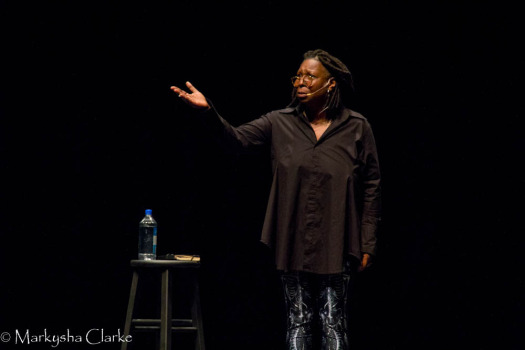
195 99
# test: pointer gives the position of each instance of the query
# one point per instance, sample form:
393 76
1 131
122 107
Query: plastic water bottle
148 237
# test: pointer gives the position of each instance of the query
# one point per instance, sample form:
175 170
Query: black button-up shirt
324 200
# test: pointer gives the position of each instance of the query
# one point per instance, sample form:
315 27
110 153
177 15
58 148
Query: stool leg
165 311
131 306
196 314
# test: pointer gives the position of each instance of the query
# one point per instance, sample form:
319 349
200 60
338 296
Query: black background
91 136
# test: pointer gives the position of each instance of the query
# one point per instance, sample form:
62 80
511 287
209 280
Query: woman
324 203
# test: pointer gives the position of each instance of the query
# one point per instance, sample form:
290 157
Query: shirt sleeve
245 136
371 213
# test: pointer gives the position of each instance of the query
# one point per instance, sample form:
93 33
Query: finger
181 93
191 87
176 89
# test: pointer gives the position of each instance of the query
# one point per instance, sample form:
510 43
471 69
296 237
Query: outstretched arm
254 133
194 99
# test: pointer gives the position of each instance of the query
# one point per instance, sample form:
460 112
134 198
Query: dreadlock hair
339 71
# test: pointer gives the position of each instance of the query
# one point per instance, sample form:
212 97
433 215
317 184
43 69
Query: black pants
316 310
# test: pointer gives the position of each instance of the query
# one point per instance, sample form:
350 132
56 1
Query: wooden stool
166 324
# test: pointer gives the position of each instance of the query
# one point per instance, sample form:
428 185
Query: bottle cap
148 211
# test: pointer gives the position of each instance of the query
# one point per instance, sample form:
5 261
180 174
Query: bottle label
154 240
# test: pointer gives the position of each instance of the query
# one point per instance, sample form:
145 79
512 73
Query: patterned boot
298 298
332 312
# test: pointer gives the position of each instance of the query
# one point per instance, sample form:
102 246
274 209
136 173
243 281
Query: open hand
194 99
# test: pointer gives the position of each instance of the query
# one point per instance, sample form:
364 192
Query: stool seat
166 324
172 264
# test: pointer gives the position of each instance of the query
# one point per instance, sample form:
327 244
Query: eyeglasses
308 79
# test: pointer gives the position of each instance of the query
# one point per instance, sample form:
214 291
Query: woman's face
313 81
